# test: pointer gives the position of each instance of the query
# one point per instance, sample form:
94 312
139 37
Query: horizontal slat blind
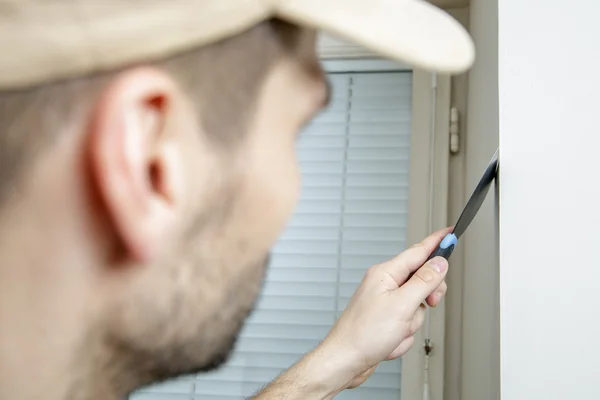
351 215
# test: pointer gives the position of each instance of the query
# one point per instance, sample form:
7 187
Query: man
146 168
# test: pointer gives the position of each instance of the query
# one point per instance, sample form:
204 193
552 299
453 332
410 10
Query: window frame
428 203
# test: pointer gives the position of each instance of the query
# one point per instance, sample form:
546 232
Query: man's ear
136 167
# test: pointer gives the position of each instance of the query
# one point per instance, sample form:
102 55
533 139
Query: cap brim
410 31
50 41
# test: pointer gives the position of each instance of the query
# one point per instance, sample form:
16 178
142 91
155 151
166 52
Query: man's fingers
402 348
407 343
418 320
401 266
434 299
360 379
431 241
423 283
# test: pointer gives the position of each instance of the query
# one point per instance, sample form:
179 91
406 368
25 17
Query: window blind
352 214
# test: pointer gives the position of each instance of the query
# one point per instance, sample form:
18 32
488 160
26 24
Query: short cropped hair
222 79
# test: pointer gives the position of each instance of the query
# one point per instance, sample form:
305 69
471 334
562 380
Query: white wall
549 69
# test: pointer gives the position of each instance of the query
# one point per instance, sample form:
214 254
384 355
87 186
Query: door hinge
454 131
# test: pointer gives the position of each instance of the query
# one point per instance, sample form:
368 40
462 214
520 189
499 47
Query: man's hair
222 79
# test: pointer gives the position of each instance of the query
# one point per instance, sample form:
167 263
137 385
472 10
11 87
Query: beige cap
45 40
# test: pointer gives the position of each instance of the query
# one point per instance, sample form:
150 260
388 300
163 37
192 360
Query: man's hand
387 310
379 323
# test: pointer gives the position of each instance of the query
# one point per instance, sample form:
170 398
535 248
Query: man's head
139 199
166 185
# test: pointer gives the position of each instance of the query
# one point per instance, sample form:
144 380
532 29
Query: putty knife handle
446 247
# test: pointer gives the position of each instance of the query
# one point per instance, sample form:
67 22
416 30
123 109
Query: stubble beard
193 336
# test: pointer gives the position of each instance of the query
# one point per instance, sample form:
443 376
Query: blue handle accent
449 240
446 247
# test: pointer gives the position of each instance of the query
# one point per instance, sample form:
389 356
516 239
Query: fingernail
440 264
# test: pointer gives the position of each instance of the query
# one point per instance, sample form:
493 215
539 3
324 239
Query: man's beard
209 348
115 367
182 315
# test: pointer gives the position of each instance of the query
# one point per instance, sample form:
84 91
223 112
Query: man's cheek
275 200
288 190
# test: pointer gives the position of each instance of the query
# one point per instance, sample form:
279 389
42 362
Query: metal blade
477 197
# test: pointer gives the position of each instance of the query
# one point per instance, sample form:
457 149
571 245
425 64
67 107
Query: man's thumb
424 282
